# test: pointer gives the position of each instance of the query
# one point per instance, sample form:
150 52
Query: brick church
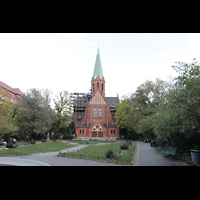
95 112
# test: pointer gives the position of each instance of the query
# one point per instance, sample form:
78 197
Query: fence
82 156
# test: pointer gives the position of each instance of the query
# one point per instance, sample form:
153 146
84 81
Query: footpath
144 156
149 156
50 159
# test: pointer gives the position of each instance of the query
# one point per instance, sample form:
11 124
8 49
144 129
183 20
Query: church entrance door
100 134
94 134
97 131
97 134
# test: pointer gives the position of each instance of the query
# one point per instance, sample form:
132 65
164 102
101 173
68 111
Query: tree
178 121
7 114
63 113
141 106
62 103
123 114
35 116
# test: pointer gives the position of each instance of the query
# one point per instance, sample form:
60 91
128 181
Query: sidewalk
148 156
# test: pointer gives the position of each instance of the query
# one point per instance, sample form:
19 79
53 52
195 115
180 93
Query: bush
124 146
10 145
129 142
68 136
109 153
32 142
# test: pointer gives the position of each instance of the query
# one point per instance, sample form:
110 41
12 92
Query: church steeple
98 67
98 81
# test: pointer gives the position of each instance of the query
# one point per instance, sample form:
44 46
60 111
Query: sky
65 61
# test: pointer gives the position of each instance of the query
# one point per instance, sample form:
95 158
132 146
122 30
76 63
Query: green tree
123 114
8 124
141 106
63 114
177 123
35 115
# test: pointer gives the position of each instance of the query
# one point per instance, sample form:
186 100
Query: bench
170 151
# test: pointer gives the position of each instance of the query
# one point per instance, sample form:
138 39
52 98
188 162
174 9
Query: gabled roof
98 67
14 92
112 101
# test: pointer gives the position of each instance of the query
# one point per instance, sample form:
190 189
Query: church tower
99 113
98 81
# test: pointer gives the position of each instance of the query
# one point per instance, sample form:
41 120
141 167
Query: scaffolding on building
79 104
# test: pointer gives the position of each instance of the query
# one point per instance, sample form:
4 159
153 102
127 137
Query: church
95 112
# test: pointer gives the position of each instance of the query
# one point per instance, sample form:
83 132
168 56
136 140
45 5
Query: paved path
50 159
149 156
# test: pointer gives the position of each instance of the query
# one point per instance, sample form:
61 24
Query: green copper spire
98 68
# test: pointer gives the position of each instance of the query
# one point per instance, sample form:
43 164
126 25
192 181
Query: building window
80 131
83 131
95 113
111 131
100 113
114 131
93 87
102 87
97 85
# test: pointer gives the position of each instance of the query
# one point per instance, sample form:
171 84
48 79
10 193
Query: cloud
75 37
93 43
193 48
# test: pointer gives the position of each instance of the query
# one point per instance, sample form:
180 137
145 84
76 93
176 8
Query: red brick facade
98 120
13 93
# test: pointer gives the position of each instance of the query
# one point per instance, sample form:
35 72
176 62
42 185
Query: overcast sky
65 61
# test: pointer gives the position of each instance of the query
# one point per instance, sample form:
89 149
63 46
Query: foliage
35 116
7 114
109 153
10 145
168 111
124 146
135 114
63 115
178 121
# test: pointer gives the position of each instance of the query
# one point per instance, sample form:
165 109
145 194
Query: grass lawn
36 148
98 153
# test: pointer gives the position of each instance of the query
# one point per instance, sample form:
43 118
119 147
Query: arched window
100 113
95 113
102 87
98 85
93 87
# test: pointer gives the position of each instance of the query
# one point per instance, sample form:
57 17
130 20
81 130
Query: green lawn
96 152
36 148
